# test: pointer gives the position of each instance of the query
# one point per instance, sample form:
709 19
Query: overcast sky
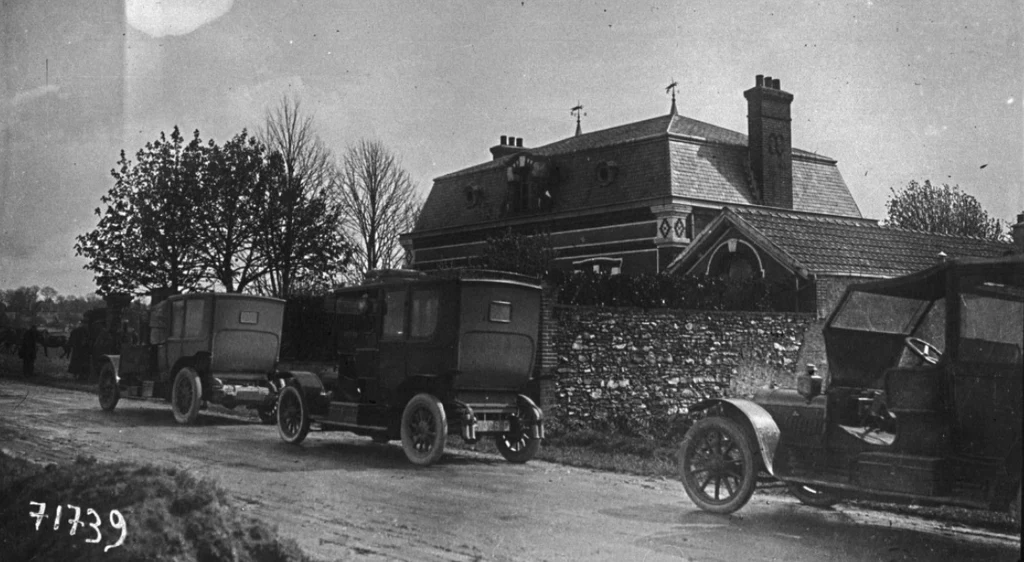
894 91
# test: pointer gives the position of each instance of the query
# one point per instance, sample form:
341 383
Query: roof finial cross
672 88
578 111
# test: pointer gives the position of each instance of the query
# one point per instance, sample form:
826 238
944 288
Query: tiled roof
648 128
706 163
828 245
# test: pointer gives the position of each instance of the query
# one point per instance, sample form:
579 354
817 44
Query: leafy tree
299 235
148 236
24 301
528 255
942 210
237 179
378 203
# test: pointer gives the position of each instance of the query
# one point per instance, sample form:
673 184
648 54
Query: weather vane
578 111
672 88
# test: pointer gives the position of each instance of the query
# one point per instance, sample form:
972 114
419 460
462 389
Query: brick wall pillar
547 359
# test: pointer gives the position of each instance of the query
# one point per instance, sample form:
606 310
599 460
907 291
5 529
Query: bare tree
300 237
378 202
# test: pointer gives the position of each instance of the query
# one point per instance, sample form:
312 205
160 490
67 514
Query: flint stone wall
638 370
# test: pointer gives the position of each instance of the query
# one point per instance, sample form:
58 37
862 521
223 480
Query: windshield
871 312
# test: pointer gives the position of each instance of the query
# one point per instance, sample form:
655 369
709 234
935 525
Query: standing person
78 343
28 351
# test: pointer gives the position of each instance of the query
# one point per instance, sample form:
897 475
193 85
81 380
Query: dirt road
342 497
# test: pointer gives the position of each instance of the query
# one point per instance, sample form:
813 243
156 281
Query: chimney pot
519 142
770 144
504 140
759 80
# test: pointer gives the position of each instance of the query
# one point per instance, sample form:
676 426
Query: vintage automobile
422 355
220 348
923 402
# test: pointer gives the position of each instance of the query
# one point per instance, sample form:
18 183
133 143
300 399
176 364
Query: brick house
811 258
629 198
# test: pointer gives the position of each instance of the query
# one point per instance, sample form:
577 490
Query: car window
423 315
194 318
177 318
871 312
991 329
394 318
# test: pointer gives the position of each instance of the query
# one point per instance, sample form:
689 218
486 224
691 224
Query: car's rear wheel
717 465
108 391
813 496
424 429
517 446
186 395
292 416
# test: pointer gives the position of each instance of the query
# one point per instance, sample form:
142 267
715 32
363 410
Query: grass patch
169 515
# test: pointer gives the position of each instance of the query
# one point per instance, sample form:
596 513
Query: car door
393 336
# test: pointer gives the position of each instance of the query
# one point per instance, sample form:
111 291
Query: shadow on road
355 454
128 414
890 537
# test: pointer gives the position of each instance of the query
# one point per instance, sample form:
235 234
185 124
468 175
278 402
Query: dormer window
607 171
531 180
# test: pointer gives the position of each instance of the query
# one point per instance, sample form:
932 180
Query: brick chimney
771 144
508 145
1017 232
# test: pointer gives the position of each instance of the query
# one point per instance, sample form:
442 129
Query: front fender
115 362
765 429
311 386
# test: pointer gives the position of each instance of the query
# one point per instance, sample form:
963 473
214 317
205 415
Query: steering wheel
926 351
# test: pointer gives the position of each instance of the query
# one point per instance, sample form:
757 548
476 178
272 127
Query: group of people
79 347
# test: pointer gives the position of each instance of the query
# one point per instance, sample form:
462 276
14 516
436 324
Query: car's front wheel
186 395
292 416
108 391
424 429
517 446
717 465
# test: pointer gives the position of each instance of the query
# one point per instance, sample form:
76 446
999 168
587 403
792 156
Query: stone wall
636 371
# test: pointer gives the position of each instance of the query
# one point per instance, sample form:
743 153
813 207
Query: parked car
425 355
219 348
923 402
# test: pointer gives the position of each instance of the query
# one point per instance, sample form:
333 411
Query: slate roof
705 163
838 246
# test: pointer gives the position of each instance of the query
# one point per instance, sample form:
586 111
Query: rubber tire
520 448
289 403
187 379
697 436
424 409
107 389
814 497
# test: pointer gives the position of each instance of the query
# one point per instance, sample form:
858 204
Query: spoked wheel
717 465
268 412
517 446
108 391
813 496
292 416
424 429
186 395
